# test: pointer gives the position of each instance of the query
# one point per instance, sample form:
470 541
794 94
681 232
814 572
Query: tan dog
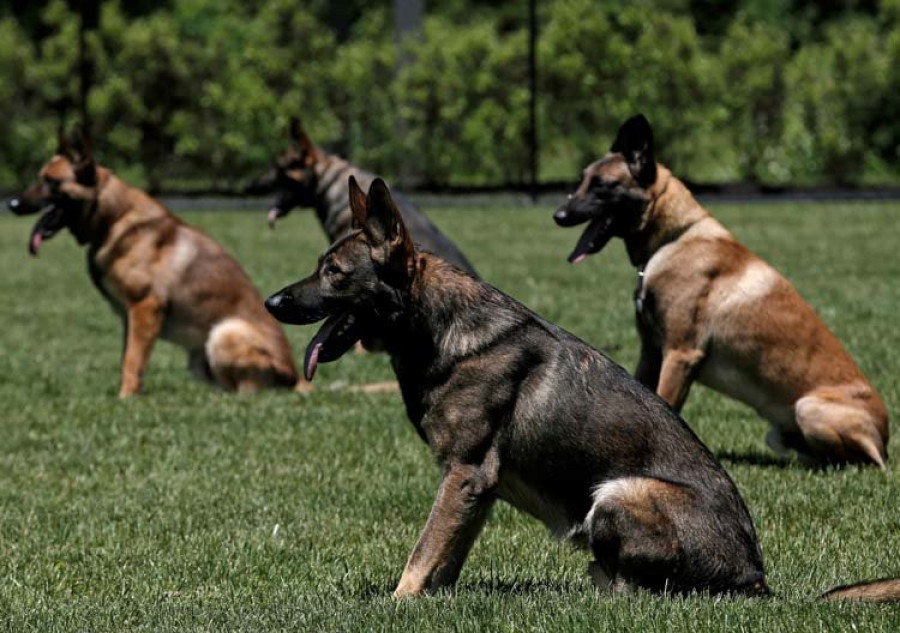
163 277
710 310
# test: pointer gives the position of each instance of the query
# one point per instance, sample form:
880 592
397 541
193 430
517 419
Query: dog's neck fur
430 330
671 211
332 194
114 202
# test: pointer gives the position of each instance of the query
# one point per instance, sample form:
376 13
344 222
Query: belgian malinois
306 176
515 408
161 276
710 310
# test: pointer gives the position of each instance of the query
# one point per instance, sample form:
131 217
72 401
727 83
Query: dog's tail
884 590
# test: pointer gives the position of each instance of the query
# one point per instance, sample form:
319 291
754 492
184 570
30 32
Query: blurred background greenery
197 93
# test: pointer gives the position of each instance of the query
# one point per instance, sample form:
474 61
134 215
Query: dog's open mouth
598 232
49 224
274 213
280 208
337 335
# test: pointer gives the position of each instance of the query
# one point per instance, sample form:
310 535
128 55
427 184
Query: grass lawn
188 509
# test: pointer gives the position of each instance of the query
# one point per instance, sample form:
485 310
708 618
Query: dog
162 277
515 408
708 309
305 176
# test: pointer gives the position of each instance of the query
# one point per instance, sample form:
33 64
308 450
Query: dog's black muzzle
600 229
574 212
22 205
285 200
296 306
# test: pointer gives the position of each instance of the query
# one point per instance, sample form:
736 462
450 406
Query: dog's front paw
408 588
128 391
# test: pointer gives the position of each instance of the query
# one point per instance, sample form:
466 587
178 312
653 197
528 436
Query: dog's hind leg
198 365
633 534
839 430
604 540
238 357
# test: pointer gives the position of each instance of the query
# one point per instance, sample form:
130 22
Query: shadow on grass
518 587
772 461
483 586
758 459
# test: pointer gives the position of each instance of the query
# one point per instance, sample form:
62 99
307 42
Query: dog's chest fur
144 255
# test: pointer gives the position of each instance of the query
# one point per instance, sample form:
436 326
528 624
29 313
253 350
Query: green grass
160 513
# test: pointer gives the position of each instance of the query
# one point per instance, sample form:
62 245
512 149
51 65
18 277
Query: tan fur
168 279
887 590
646 501
719 314
456 518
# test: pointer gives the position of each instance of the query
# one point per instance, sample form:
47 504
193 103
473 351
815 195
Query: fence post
532 102
408 21
89 12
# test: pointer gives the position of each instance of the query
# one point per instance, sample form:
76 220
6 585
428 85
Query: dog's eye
331 268
602 183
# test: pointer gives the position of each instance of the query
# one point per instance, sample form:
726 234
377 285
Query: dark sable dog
710 310
162 277
515 408
305 176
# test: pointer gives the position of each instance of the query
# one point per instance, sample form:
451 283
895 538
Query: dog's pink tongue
36 240
311 360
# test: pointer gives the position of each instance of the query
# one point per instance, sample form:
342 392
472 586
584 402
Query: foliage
199 91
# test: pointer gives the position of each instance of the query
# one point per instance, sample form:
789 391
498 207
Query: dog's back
333 209
305 175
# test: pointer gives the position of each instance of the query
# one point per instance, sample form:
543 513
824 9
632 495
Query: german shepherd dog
161 276
710 310
305 176
515 408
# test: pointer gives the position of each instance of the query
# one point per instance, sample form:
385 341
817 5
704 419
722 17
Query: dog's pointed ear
80 152
298 135
296 129
357 203
635 142
63 147
80 145
86 172
386 232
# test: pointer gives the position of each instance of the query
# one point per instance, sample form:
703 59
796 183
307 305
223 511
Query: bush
835 102
198 93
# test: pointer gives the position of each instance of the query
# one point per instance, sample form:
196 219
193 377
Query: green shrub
198 92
